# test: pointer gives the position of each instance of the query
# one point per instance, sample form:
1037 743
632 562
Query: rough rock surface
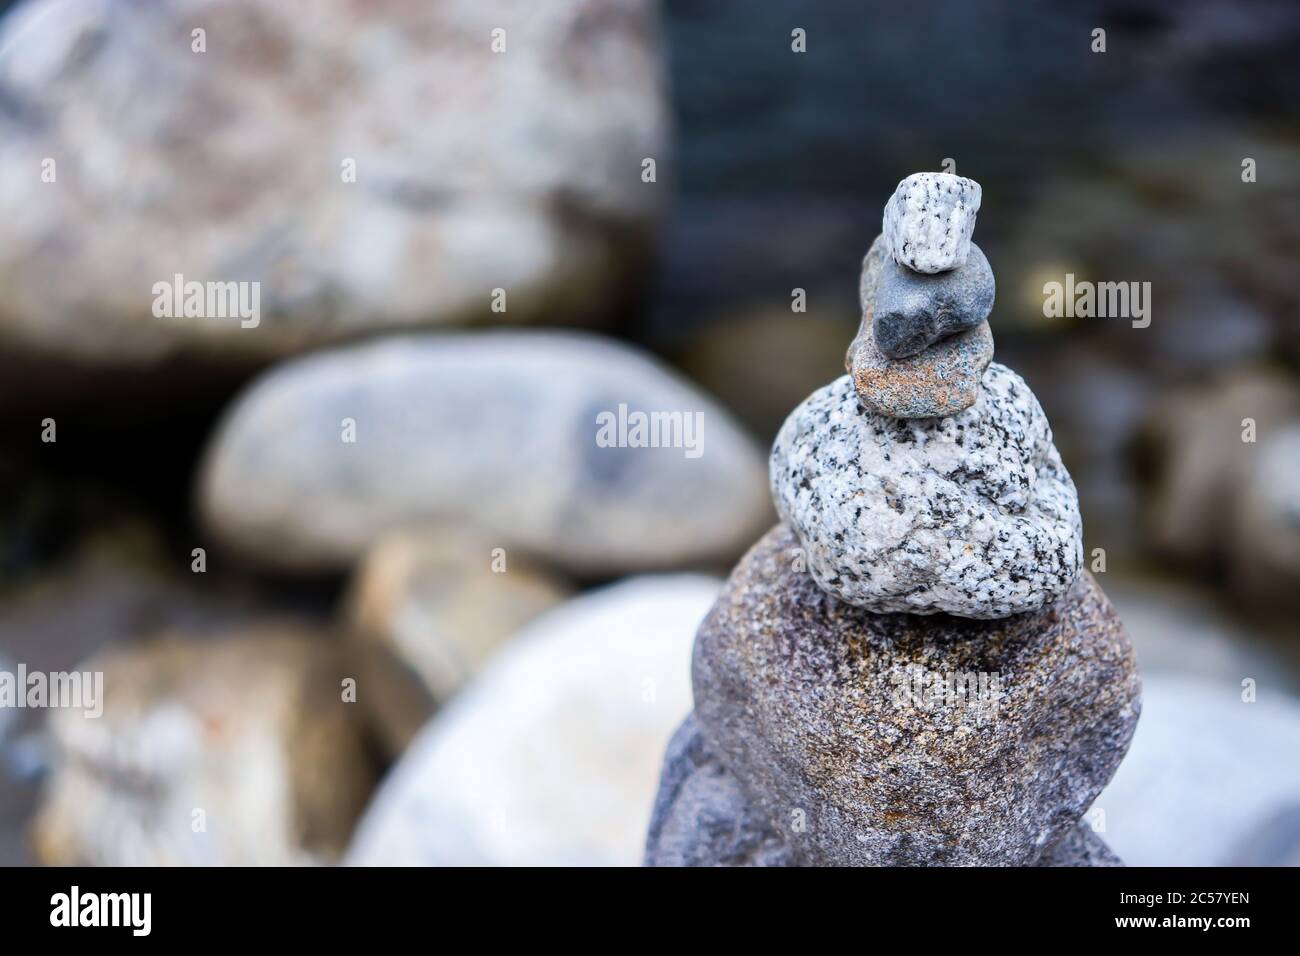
929 221
251 729
912 311
522 173
1081 846
499 431
428 608
550 755
811 703
943 380
973 515
703 817
869 276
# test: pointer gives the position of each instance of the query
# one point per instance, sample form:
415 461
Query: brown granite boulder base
810 702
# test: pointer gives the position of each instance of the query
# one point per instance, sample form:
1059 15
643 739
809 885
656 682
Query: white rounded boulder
550 756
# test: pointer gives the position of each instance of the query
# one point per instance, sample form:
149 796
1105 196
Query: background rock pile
912 668
203 490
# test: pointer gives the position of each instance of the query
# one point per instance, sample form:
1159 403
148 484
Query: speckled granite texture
801 697
913 669
973 515
703 817
929 220
942 381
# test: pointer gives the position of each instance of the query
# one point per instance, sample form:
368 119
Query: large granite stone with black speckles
929 220
832 715
972 515
703 817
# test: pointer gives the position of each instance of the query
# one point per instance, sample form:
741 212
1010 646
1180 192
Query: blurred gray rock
973 515
842 720
913 311
929 220
1195 436
1178 629
428 608
550 755
1274 842
1206 773
113 587
526 438
1265 542
239 751
381 168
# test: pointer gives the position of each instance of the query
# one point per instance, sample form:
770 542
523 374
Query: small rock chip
973 515
878 737
943 380
913 311
929 221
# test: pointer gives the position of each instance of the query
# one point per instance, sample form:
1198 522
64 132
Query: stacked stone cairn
913 668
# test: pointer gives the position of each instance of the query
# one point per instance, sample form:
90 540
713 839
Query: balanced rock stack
913 668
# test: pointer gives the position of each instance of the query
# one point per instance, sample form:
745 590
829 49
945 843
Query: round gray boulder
543 442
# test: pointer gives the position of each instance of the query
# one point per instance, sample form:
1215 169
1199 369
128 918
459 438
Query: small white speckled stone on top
929 221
